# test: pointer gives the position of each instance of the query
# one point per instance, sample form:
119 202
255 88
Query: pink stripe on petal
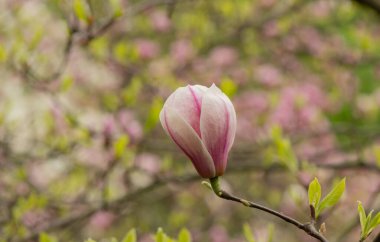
186 101
188 141
196 100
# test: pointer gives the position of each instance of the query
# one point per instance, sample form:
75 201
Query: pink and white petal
218 126
188 141
187 102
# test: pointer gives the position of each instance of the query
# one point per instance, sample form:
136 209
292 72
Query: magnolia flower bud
202 122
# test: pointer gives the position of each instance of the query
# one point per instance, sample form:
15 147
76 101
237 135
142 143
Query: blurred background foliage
82 153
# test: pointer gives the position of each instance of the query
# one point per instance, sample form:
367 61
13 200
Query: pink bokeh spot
147 49
102 220
160 21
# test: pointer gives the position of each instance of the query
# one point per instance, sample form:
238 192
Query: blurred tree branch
85 37
126 200
371 4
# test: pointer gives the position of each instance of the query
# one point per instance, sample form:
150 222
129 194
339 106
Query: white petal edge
218 126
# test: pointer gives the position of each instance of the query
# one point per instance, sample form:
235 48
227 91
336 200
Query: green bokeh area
83 156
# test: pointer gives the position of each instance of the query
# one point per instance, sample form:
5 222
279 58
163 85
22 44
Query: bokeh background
82 153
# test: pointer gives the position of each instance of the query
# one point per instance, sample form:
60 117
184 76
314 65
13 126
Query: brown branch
351 165
374 5
112 206
309 228
121 203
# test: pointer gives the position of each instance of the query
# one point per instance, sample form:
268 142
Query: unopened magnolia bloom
202 122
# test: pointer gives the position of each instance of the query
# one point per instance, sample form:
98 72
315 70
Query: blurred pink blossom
59 119
160 21
290 62
148 162
181 51
34 218
251 106
239 75
253 102
146 238
313 94
218 234
267 3
246 129
268 75
102 220
109 126
305 177
290 43
299 107
313 148
147 49
271 29
312 40
41 174
95 157
223 56
130 125
321 8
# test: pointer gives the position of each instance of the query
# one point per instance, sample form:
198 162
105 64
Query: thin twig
309 228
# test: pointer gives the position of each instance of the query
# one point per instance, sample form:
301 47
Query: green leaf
117 8
130 236
248 233
99 47
366 227
3 53
124 52
333 197
270 231
368 81
80 10
228 87
46 238
276 132
184 236
36 38
66 83
375 221
160 235
154 114
283 149
362 217
376 152
131 93
110 101
120 145
315 193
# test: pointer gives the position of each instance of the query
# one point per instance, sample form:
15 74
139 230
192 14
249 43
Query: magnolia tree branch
371 4
128 198
87 36
309 228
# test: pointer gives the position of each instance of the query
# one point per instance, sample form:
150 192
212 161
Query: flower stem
216 186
